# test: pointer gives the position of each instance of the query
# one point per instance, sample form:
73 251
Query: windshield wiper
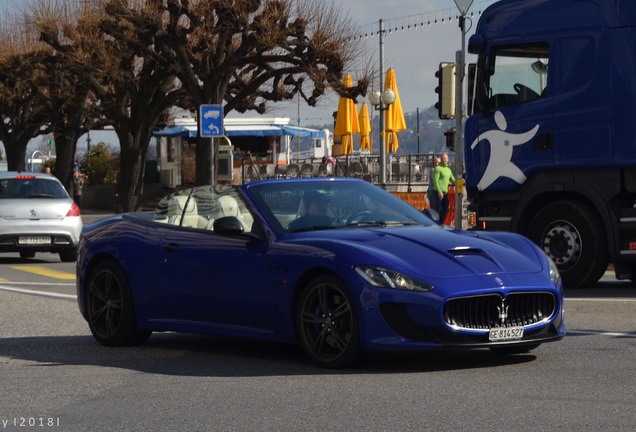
40 195
313 228
380 223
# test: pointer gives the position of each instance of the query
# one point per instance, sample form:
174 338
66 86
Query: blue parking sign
211 121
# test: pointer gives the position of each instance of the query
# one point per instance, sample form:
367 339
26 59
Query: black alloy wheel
327 326
110 308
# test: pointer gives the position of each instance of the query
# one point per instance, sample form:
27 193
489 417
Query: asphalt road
54 376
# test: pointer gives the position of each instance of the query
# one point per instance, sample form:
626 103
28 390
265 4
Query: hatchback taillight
74 211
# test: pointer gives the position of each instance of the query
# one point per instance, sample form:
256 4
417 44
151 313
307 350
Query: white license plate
33 240
505 333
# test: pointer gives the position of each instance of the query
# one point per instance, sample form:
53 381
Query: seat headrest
229 205
178 202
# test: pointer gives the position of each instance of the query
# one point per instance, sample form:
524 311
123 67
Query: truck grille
489 311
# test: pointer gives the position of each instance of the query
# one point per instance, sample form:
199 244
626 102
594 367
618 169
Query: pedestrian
442 178
78 184
47 170
431 195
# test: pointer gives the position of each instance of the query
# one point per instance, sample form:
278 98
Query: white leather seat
188 218
229 206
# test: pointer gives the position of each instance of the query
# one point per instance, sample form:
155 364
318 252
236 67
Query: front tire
571 234
327 326
110 307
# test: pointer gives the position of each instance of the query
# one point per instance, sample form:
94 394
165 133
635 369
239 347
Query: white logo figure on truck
501 145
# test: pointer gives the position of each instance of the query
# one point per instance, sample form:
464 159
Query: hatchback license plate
31 240
505 333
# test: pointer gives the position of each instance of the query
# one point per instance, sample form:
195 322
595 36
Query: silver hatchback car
37 215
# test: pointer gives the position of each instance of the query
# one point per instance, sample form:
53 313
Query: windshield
517 75
296 206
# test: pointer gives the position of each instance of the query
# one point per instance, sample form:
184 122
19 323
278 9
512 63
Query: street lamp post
381 102
463 6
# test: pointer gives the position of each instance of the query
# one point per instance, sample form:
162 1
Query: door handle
171 247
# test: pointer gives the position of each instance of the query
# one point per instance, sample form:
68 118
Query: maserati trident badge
503 312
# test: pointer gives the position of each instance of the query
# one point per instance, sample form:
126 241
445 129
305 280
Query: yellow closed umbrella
365 128
346 119
394 115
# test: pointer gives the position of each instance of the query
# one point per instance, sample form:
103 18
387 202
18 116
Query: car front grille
489 311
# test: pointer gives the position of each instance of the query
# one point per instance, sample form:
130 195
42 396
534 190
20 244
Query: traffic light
445 91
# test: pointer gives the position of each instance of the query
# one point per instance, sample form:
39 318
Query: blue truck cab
550 141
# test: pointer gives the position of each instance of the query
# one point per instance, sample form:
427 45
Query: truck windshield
518 75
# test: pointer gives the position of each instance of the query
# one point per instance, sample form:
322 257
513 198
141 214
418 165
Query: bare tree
66 84
132 92
23 104
42 93
245 53
140 57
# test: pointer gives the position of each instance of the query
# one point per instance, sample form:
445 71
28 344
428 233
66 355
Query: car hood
34 208
434 252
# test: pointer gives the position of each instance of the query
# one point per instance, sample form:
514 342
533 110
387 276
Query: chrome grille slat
481 312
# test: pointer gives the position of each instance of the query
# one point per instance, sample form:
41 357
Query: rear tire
571 234
68 255
110 308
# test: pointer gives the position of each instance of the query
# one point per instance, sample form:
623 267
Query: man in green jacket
442 177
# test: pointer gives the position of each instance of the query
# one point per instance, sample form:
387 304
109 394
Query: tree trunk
65 148
15 156
130 180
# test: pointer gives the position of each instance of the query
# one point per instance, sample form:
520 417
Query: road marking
57 284
39 293
600 333
43 271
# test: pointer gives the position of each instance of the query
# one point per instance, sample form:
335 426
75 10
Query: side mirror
228 225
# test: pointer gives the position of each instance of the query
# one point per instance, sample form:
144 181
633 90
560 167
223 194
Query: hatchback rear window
14 188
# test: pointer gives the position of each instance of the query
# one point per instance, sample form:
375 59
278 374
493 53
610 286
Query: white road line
39 293
600 333
38 283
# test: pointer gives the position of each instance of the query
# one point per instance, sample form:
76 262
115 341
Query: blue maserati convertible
337 265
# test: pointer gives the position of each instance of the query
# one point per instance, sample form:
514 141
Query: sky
413 51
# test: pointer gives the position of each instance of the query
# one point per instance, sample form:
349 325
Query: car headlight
385 278
553 271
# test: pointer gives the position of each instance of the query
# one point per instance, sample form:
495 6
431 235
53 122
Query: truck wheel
571 234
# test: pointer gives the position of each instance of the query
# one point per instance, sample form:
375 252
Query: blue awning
177 131
244 130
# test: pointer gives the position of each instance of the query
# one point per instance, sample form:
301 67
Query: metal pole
382 109
459 132
418 130
212 167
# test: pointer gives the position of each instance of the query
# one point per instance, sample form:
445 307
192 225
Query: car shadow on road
193 355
